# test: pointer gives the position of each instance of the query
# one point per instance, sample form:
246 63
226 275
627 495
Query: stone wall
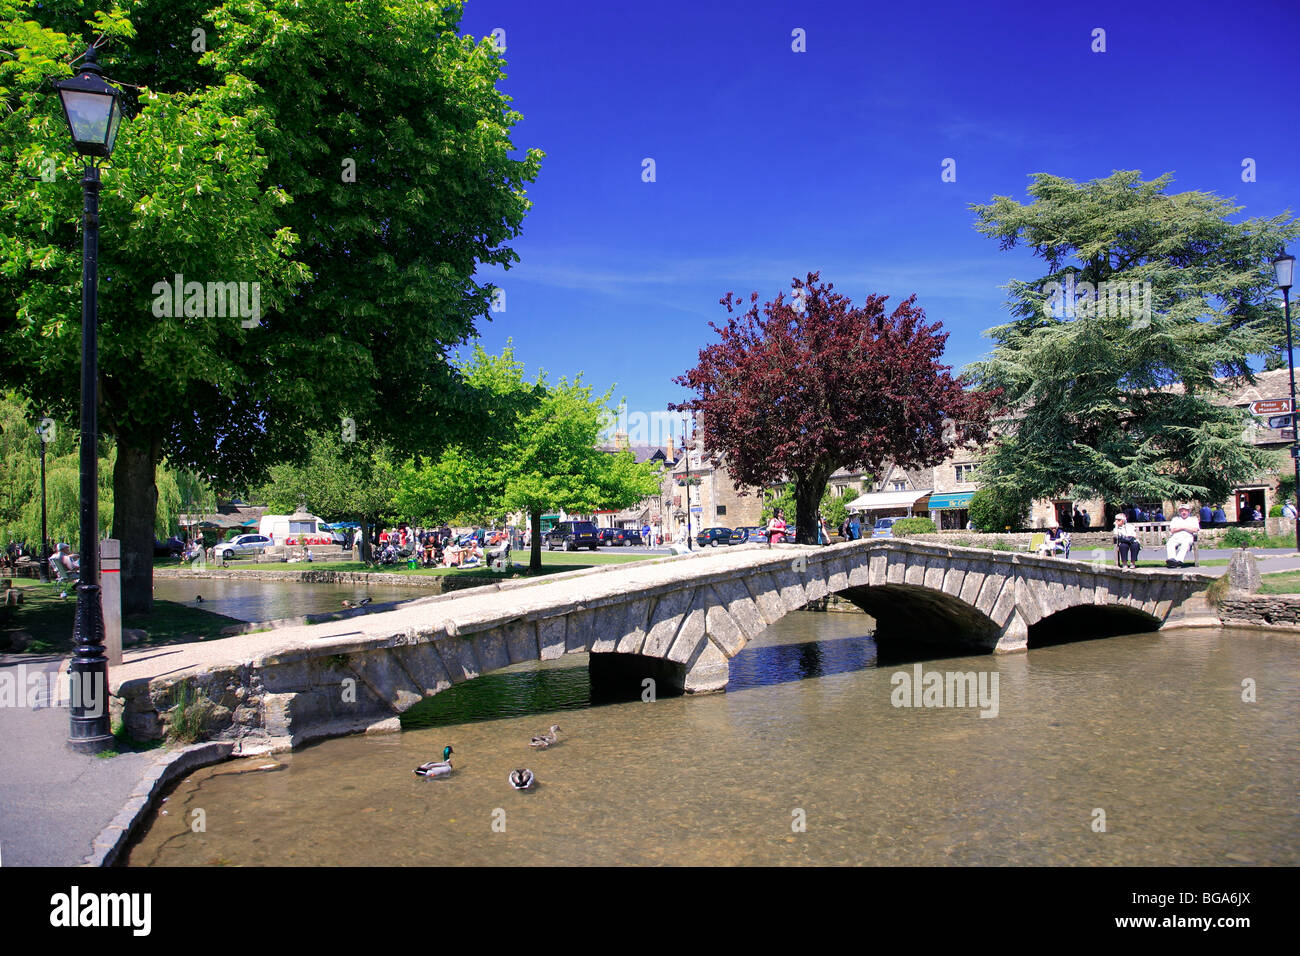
1261 610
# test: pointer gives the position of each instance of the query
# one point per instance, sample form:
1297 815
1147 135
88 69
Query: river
253 600
1130 750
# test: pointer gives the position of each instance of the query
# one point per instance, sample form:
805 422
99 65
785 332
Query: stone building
713 497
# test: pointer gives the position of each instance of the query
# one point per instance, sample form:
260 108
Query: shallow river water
1125 750
248 600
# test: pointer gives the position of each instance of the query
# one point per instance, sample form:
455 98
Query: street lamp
1283 270
686 453
93 109
42 432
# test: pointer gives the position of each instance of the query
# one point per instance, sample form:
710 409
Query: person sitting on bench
1182 535
1056 541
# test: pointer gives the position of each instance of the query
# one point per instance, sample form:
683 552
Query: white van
283 527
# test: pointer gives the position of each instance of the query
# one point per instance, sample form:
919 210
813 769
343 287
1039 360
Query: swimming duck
521 779
437 768
545 740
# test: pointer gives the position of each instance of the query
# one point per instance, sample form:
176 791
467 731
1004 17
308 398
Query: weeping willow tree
1117 361
20 480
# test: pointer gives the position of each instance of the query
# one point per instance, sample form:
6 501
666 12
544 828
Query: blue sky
770 163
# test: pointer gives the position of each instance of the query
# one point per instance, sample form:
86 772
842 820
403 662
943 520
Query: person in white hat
1182 533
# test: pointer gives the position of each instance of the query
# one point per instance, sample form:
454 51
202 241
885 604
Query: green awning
951 500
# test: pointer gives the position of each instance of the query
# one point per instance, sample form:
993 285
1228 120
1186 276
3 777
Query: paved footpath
53 802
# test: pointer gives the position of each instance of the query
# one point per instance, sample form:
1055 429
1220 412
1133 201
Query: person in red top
383 537
776 528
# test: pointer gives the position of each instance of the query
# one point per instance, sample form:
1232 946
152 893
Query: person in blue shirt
1219 516
1206 515
855 529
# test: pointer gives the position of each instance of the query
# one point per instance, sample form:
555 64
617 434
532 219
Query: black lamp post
686 453
42 430
1284 269
93 110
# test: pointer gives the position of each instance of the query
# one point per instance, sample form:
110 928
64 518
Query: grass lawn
1280 582
48 618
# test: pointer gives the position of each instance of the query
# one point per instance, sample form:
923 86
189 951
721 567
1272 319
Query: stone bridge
679 620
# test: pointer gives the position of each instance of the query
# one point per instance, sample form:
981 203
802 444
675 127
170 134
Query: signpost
110 591
1272 406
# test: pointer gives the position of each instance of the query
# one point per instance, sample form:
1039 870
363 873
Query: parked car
712 537
171 548
241 546
884 528
572 535
612 536
747 535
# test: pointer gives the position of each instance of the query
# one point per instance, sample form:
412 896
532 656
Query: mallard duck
348 604
364 601
521 779
437 768
545 740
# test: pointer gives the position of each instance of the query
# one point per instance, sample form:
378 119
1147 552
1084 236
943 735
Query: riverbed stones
1243 572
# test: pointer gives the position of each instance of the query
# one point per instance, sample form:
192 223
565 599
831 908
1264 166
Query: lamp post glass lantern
1284 273
93 110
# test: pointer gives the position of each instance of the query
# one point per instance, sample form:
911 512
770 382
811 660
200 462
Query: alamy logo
1113 299
945 689
213 300
655 429
39 689
75 908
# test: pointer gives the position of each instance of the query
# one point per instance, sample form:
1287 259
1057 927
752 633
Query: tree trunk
809 487
135 506
535 552
363 539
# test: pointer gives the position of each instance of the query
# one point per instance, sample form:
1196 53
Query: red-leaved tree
795 390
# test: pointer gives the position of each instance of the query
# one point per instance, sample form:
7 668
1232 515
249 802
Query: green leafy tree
351 158
537 452
20 481
1109 364
993 510
341 480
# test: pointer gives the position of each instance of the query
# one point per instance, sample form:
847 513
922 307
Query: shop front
950 511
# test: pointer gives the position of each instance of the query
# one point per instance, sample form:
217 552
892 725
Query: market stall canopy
951 500
881 500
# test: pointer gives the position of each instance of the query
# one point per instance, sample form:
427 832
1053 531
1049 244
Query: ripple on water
1151 729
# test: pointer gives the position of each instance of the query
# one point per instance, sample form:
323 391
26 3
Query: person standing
855 528
1288 510
776 528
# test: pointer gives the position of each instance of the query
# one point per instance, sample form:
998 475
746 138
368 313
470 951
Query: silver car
240 546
